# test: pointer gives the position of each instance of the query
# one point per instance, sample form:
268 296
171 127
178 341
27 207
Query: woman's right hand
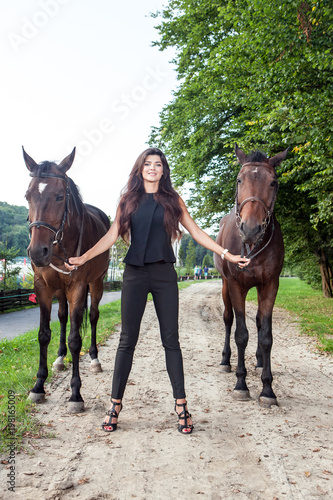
101 246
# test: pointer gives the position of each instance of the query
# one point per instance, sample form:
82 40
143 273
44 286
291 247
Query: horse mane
77 198
257 157
45 167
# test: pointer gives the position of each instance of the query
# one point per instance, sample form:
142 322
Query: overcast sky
85 74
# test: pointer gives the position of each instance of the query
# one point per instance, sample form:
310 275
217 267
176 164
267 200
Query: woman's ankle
181 401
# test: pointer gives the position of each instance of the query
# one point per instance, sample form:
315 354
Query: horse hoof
95 366
267 402
59 364
76 407
241 395
37 397
225 368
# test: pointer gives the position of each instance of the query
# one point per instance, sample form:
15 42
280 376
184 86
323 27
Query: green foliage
190 257
120 248
8 273
200 251
181 254
13 227
259 73
207 261
29 281
313 312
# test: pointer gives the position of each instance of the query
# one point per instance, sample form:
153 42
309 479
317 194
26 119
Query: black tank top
149 240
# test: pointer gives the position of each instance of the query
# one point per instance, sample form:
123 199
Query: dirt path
237 450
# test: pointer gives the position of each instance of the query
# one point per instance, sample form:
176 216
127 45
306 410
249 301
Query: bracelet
223 253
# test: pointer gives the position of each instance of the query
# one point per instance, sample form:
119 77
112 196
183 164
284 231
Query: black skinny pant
160 279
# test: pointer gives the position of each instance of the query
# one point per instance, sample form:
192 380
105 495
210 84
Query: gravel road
237 451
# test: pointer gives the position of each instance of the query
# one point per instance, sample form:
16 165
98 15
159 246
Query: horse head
256 191
48 198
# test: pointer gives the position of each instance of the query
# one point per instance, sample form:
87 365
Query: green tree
207 261
8 273
200 251
186 238
256 72
190 257
13 227
181 255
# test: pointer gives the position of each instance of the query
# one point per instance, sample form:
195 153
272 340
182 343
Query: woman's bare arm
206 241
101 246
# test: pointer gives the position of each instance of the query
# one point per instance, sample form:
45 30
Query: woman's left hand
237 259
74 263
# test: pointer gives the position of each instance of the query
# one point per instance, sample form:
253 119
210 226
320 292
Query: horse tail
84 323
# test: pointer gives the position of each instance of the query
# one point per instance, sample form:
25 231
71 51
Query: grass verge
18 367
314 312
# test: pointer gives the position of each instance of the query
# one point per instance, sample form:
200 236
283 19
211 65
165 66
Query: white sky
79 73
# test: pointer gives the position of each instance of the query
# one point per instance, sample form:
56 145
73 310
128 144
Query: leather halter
59 233
265 223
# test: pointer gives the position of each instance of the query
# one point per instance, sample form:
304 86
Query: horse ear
30 163
67 162
240 154
277 159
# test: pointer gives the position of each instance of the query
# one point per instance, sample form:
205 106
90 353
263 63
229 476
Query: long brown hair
166 196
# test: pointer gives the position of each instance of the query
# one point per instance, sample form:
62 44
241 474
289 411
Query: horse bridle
265 223
59 233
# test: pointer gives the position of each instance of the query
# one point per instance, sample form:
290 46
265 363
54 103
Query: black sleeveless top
149 240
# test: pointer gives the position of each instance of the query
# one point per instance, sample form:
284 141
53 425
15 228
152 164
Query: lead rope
78 251
249 252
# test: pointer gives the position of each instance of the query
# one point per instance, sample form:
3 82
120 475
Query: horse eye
239 181
59 197
273 183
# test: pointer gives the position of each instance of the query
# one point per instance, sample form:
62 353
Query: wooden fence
15 299
23 297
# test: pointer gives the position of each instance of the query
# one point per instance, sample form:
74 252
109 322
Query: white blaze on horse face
255 170
41 187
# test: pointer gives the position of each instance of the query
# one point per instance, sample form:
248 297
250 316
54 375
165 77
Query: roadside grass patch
313 311
18 368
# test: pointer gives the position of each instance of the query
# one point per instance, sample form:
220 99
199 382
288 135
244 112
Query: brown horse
251 229
61 225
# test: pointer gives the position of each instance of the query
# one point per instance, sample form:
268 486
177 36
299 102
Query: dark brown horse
251 229
61 225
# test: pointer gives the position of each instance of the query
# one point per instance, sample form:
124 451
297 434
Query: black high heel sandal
112 414
183 415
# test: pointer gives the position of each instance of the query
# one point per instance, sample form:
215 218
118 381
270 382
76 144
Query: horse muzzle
40 255
250 232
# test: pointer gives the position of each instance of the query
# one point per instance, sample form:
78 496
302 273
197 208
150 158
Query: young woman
149 216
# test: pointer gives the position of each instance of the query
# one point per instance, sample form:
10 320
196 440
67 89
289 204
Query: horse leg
59 365
76 301
241 391
96 292
44 296
258 351
266 299
228 317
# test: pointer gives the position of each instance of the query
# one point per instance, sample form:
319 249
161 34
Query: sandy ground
237 450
